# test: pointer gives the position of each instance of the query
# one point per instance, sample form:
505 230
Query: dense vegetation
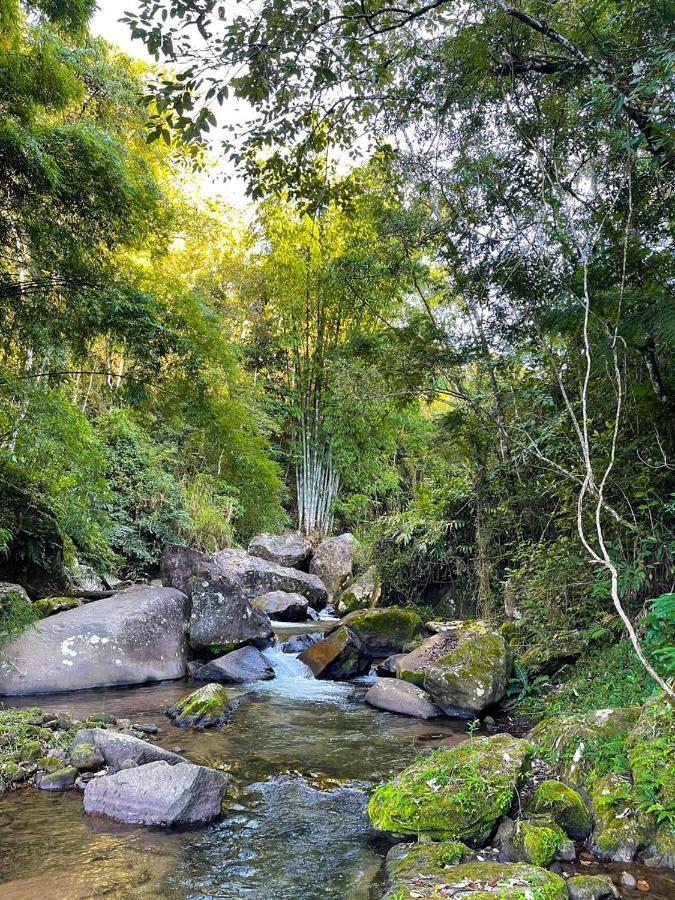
462 349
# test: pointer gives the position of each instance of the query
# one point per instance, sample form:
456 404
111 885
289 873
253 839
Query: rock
333 562
406 862
9 590
565 806
283 606
337 656
50 763
361 593
642 885
158 794
291 550
237 667
453 794
382 632
590 887
222 618
538 843
145 727
116 747
564 739
473 675
179 564
61 780
628 880
49 606
620 827
205 708
84 578
300 642
130 638
254 576
483 880
660 851
400 697
86 757
387 667
412 666
561 648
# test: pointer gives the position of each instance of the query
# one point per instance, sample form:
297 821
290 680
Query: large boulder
222 618
254 576
116 747
362 592
382 632
207 707
337 656
282 606
559 649
474 674
179 564
238 667
412 666
333 562
564 805
158 794
133 637
292 550
479 880
403 698
300 642
453 794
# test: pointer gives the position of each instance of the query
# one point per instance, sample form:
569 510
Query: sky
106 24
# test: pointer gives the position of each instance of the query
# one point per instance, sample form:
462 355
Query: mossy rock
590 887
566 807
337 656
536 843
472 675
430 859
49 763
207 707
361 593
661 849
382 632
49 606
61 780
620 827
566 741
11 772
453 794
559 649
486 881
86 757
651 755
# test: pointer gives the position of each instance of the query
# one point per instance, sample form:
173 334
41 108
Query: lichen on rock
207 707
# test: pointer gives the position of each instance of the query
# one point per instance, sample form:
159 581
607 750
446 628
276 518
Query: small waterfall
294 679
287 665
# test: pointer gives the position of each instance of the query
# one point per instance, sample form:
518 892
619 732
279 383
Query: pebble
642 885
628 880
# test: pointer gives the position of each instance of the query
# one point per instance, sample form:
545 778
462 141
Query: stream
303 754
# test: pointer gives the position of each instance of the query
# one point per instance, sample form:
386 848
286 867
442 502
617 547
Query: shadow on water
303 754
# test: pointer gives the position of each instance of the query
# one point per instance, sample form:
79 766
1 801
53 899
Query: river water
303 755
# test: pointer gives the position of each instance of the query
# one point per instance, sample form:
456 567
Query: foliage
16 614
522 686
659 626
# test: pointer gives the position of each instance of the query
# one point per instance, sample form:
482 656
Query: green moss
540 843
591 887
203 708
565 805
456 794
489 881
651 756
407 861
393 627
50 763
50 605
620 828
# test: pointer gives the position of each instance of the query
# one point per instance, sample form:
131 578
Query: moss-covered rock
472 675
651 755
207 707
61 780
361 593
412 666
569 742
620 827
382 632
560 648
485 881
536 842
455 794
86 757
565 806
337 656
51 605
590 887
430 859
49 763
661 849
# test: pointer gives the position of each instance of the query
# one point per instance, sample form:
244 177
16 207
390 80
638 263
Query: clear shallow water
303 754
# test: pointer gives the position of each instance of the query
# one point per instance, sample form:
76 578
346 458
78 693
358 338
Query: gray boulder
61 780
222 617
333 562
116 747
403 698
254 576
283 606
238 667
300 642
179 564
362 592
283 549
130 638
158 794
8 590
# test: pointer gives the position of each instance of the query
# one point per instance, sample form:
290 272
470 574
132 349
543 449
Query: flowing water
303 754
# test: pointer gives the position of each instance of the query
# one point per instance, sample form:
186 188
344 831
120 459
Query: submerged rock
472 675
130 638
361 593
291 550
223 618
282 605
403 698
239 666
61 780
115 747
337 656
333 562
207 707
158 794
381 632
483 880
453 794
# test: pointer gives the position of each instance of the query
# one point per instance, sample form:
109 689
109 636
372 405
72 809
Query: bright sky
106 24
